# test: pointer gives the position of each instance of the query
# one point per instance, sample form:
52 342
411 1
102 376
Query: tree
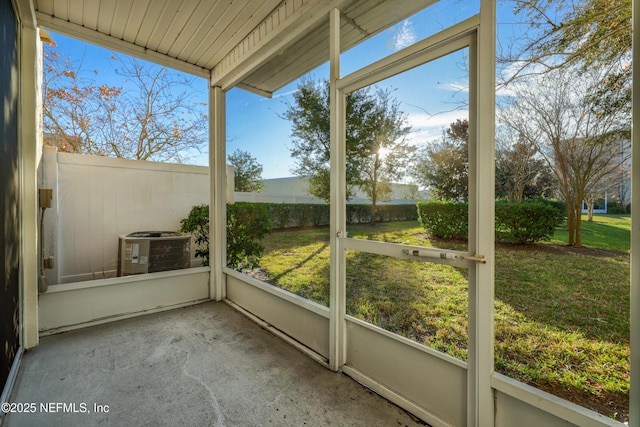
443 167
521 172
412 192
581 143
385 156
247 172
585 35
154 116
611 184
568 33
373 121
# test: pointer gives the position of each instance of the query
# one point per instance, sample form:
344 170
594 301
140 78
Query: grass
561 314
609 232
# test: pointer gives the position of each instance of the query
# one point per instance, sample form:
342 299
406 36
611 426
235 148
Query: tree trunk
373 207
578 227
374 189
571 222
519 191
578 219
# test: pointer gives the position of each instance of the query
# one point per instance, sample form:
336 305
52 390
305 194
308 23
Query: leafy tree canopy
247 171
444 166
373 122
521 172
587 35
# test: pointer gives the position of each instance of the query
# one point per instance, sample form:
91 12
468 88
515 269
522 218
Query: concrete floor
205 365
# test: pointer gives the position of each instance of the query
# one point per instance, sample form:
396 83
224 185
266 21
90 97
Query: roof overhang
258 46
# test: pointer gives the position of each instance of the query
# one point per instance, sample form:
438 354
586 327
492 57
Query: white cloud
426 127
458 87
423 120
405 36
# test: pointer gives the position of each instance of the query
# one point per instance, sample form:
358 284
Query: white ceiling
259 45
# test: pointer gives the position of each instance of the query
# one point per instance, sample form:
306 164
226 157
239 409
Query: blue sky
254 123
432 96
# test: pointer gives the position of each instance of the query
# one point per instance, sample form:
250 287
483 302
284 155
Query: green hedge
295 215
615 208
530 221
361 214
559 207
527 222
444 220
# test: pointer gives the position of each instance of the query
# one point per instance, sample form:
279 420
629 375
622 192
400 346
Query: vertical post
634 393
480 409
217 205
337 200
30 154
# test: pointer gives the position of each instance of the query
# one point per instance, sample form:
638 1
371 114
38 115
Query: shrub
197 223
531 221
358 214
293 215
527 222
443 219
615 208
246 224
558 206
361 213
280 214
386 213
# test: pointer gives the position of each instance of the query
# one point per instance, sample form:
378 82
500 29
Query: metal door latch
477 258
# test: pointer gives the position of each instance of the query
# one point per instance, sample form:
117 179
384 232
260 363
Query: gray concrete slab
205 365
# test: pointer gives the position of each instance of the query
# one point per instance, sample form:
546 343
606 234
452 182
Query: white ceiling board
178 24
139 9
60 9
163 22
106 16
76 12
123 8
89 14
187 37
94 37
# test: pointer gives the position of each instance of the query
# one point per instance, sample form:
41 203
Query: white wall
96 199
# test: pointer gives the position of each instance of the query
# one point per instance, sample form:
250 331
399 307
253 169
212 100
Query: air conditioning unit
152 251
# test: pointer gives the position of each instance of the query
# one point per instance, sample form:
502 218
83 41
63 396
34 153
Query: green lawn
610 232
562 314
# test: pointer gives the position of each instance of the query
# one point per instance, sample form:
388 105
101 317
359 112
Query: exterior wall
9 192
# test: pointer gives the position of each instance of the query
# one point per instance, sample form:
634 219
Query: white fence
97 199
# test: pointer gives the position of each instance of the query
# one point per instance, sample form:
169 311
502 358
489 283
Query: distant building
296 190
